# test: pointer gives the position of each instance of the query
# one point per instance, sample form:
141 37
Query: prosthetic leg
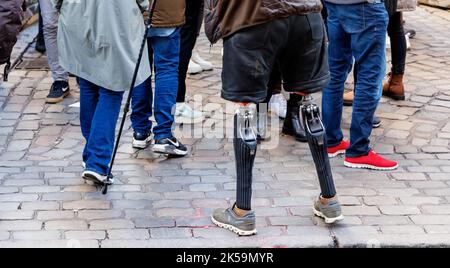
245 144
315 133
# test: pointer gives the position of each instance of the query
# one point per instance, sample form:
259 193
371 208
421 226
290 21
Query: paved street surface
160 202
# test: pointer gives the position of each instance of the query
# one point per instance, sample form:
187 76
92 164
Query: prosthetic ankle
245 145
315 133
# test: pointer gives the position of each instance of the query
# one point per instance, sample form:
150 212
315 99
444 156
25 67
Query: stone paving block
85 235
16 215
178 203
50 244
36 235
167 233
99 214
55 215
399 210
18 197
40 205
110 224
437 229
20 225
436 209
379 200
360 210
66 225
385 220
409 176
87 204
150 222
41 189
4 235
431 219
290 220
406 229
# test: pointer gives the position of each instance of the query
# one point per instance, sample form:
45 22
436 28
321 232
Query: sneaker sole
376 125
92 178
336 153
233 228
57 100
327 220
168 149
367 166
137 144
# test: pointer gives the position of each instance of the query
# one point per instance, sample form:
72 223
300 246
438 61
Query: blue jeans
166 54
358 31
99 111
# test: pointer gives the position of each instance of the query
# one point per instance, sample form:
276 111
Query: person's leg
292 124
368 46
40 42
89 94
100 144
141 105
245 77
395 88
166 59
303 80
50 16
340 61
189 33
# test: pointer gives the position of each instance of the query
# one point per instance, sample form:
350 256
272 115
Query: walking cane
127 104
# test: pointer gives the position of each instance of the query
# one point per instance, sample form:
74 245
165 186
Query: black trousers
398 43
189 34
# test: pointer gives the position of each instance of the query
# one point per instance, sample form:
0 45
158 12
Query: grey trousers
50 19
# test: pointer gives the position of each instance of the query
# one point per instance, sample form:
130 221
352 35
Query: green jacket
99 40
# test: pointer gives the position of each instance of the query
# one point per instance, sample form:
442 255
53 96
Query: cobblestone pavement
160 202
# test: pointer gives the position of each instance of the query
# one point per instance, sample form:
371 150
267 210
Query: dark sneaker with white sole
95 177
170 146
227 219
141 140
328 209
58 91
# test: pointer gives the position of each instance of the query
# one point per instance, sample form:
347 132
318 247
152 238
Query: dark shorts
296 45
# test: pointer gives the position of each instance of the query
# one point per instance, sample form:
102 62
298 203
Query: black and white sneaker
58 91
170 146
141 140
95 177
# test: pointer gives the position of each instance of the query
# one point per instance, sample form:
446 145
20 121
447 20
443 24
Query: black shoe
40 45
292 123
141 140
170 146
376 122
58 91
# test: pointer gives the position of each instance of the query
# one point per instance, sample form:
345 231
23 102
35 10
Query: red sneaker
338 149
370 161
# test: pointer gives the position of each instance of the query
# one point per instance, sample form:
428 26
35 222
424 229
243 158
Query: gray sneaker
227 219
331 211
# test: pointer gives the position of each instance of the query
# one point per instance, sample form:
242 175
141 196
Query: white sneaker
388 42
206 65
278 105
194 68
94 177
185 114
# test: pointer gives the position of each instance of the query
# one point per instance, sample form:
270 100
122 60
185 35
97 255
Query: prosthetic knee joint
315 133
